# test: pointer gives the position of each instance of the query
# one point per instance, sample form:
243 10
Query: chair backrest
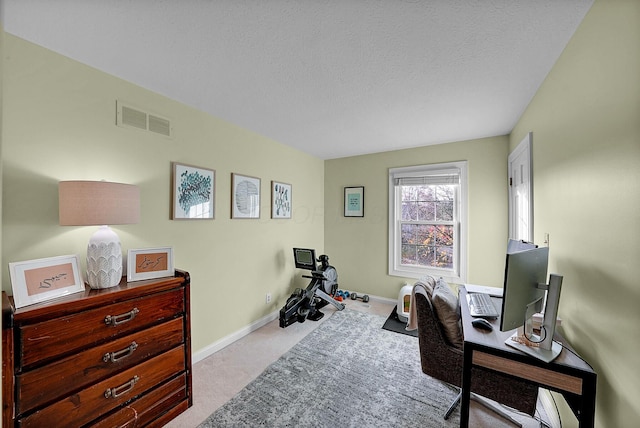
438 357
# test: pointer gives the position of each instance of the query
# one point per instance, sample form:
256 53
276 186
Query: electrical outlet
268 298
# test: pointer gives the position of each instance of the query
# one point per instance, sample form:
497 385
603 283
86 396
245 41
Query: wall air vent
159 125
133 117
128 116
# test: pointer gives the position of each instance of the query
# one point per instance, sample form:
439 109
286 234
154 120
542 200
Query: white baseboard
228 340
384 299
550 408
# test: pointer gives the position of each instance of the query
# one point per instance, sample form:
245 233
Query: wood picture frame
354 201
35 281
281 200
149 263
192 192
245 196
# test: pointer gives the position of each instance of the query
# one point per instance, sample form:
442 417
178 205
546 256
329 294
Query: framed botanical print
280 200
245 196
193 192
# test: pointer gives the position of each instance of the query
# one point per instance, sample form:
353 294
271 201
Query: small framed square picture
149 263
35 281
193 192
245 196
354 201
280 200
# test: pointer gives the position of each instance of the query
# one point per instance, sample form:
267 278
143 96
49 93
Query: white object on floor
404 303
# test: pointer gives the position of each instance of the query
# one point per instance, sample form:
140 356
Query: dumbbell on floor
341 295
355 296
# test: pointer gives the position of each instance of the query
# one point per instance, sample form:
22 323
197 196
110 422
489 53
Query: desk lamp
99 203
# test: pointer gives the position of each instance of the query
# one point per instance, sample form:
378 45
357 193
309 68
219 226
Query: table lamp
100 203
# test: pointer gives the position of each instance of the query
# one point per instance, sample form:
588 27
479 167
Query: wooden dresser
120 356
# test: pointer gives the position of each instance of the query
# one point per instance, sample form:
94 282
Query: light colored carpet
348 372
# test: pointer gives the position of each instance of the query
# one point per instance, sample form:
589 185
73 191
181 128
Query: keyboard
481 305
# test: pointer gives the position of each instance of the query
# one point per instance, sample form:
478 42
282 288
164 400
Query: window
427 221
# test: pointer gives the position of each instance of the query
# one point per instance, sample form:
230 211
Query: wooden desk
568 373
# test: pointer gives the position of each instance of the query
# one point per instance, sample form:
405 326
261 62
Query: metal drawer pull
118 355
122 389
122 318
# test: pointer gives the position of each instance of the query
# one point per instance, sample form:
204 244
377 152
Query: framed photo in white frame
245 196
280 200
149 263
35 281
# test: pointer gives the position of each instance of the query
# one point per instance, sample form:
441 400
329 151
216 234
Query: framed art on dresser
149 263
35 281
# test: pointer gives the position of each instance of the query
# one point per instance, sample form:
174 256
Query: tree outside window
427 208
427 225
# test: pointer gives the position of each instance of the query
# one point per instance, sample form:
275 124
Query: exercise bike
305 304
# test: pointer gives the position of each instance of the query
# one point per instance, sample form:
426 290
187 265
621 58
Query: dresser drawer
43 341
44 384
159 402
97 400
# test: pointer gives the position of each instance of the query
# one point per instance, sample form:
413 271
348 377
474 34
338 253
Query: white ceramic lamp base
104 259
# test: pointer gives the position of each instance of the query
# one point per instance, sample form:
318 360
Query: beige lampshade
86 203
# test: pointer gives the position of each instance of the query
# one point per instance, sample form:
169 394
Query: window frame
459 272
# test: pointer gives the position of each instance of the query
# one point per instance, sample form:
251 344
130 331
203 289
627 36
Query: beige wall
585 120
358 247
59 124
1 139
586 184
1 122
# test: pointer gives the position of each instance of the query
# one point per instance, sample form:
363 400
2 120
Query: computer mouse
482 324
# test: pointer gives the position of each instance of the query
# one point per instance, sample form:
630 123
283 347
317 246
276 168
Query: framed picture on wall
245 196
35 281
149 263
354 201
280 200
193 192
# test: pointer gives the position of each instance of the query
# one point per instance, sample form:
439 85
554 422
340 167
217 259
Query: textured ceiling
332 78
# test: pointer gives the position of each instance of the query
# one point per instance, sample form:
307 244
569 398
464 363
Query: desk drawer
44 384
46 340
90 403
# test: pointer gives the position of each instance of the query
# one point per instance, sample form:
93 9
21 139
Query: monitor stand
546 355
546 349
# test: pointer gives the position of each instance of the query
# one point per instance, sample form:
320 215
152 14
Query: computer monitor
526 292
305 258
524 270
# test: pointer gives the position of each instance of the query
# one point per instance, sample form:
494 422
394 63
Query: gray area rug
348 372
